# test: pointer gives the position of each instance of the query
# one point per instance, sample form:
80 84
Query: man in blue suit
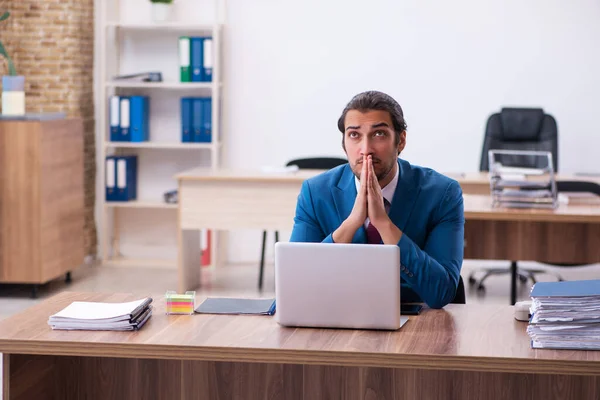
379 198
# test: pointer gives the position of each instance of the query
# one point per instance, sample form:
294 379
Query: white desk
227 200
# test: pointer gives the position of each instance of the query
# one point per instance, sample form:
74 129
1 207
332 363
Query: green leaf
11 66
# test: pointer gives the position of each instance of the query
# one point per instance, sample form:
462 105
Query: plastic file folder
237 306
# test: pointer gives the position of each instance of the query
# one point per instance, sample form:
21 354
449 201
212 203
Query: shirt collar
389 190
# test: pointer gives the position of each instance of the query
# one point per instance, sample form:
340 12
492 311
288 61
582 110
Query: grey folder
237 306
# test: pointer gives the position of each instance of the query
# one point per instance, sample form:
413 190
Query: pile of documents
565 315
532 188
94 316
522 179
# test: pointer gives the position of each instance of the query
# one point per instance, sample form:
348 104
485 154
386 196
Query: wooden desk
228 199
479 182
570 234
462 352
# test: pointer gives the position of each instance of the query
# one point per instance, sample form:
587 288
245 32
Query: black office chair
323 163
521 129
518 129
460 297
578 187
574 187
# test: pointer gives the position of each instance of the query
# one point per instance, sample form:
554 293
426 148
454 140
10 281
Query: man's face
372 133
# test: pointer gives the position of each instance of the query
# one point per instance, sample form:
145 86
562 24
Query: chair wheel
523 279
472 280
481 288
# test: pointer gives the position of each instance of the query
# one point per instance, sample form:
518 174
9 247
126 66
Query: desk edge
308 357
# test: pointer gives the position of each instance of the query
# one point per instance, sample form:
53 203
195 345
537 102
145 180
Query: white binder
114 115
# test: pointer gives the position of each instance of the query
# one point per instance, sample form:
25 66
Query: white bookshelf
180 27
130 42
140 204
160 85
161 145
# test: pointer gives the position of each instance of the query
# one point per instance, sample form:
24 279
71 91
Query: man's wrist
345 232
389 232
351 225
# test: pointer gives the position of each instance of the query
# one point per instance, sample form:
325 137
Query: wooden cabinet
41 199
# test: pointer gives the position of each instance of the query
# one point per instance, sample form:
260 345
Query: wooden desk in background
41 200
461 352
228 200
479 182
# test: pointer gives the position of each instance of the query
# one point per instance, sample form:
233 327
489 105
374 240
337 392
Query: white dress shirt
387 192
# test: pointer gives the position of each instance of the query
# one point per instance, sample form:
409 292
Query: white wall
291 66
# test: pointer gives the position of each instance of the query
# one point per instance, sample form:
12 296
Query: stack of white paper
516 186
565 315
82 315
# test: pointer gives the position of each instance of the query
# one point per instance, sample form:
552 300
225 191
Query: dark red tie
373 236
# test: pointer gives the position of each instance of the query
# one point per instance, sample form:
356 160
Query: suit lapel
405 196
344 196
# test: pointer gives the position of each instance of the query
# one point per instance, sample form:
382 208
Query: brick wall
51 43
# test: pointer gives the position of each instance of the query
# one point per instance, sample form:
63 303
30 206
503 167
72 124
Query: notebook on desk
237 306
84 315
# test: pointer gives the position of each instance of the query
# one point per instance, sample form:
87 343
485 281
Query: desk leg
5 376
189 260
513 283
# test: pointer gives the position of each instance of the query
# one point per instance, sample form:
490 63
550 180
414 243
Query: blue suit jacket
427 207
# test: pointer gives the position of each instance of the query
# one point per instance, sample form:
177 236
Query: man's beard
376 161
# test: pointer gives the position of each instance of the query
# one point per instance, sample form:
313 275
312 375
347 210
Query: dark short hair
373 100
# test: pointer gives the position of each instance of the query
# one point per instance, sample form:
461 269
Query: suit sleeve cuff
407 252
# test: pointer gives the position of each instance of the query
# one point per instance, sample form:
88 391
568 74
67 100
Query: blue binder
197 118
114 115
186 120
206 136
196 58
126 168
110 178
207 59
125 119
139 112
566 288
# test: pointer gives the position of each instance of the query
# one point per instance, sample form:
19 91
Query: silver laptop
338 285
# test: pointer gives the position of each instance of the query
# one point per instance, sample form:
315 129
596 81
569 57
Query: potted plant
13 85
161 10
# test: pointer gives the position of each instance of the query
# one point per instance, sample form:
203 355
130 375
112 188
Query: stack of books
92 316
565 315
